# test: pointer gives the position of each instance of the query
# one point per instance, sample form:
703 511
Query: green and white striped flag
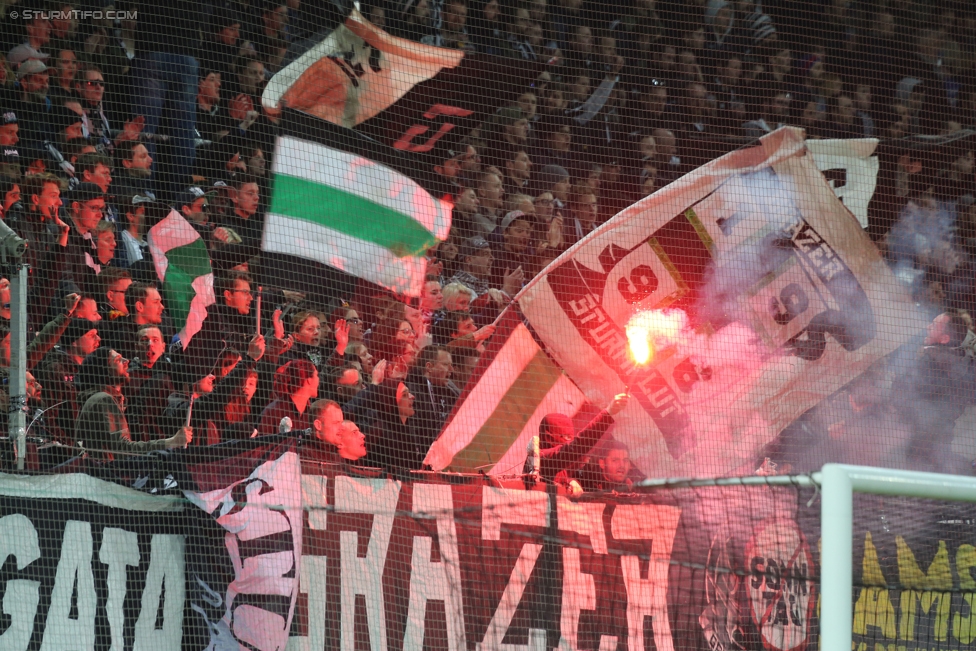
343 208
183 266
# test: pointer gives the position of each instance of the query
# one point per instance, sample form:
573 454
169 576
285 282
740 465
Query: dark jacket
556 458
432 404
103 429
57 377
148 394
278 409
390 443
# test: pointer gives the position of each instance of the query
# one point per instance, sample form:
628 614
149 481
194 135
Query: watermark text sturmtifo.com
74 14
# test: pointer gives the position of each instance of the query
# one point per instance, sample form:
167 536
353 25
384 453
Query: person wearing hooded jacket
384 412
561 448
720 39
102 427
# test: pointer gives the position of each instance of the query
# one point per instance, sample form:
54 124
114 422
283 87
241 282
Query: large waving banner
357 71
851 168
754 291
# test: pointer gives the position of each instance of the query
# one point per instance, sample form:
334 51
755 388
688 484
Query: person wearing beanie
555 180
561 448
102 427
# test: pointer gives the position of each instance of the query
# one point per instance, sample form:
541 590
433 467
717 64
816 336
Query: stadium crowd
104 120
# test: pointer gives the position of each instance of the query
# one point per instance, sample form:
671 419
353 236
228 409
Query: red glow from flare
652 330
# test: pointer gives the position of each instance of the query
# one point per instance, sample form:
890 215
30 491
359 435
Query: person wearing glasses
233 312
86 207
99 118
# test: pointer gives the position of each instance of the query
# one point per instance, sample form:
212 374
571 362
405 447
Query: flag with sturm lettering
776 293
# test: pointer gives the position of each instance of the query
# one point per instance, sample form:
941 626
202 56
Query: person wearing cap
562 449
450 155
476 262
86 207
58 371
511 246
33 109
133 239
9 154
102 427
25 52
194 203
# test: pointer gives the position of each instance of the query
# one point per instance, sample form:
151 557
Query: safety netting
337 325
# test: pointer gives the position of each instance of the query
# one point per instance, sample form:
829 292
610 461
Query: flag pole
189 415
505 309
257 311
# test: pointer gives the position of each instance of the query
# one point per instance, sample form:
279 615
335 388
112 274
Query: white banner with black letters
776 295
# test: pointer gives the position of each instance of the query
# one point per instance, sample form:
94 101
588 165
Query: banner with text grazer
462 565
775 290
472 564
88 564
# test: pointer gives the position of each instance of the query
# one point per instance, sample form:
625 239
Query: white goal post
838 484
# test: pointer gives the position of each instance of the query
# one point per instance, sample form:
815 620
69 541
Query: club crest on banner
780 586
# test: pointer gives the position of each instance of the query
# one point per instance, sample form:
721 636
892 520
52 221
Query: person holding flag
561 448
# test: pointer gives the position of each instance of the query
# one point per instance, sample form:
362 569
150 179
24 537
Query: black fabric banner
258 550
